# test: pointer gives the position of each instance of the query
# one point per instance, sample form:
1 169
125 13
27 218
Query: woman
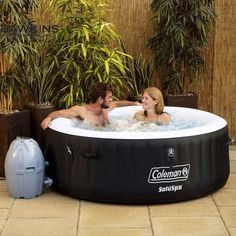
153 105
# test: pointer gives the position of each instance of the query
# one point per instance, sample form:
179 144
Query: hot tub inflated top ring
210 123
139 167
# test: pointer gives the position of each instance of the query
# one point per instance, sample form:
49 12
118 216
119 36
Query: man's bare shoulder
77 110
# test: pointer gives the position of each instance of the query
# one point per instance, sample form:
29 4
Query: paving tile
225 197
232 231
232 155
3 186
186 226
6 200
115 232
231 182
39 227
229 215
199 207
3 217
232 147
49 204
233 166
107 215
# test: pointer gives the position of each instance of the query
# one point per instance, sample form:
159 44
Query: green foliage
181 32
16 40
16 28
138 73
35 73
8 90
26 49
82 50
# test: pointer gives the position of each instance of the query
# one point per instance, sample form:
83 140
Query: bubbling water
125 122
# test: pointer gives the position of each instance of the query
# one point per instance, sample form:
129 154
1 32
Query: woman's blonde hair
156 94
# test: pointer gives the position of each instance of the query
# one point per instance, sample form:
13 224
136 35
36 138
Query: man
96 112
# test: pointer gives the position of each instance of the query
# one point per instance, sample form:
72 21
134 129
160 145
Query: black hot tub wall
138 171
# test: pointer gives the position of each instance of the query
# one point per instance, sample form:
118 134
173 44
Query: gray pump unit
25 169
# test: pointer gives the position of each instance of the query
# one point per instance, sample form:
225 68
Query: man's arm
67 113
123 103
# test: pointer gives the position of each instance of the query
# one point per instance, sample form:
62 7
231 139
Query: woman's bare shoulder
164 118
138 115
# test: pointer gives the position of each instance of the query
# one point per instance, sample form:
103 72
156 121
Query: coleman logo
166 174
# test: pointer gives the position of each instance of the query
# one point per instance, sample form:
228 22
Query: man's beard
104 106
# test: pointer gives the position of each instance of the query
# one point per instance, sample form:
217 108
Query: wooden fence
215 86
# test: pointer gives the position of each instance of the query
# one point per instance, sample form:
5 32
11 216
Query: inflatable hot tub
139 167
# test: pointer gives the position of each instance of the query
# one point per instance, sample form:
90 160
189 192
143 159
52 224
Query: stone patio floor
59 215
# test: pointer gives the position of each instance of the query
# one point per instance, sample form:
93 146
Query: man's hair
99 90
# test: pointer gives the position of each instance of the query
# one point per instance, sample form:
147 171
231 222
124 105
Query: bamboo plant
15 43
181 33
83 50
7 88
138 74
36 75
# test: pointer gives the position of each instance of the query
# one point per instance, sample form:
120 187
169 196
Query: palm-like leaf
181 31
138 73
15 42
82 50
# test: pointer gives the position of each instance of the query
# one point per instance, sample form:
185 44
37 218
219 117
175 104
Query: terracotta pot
190 100
11 126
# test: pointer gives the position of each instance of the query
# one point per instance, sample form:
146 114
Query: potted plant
83 50
13 122
138 74
34 72
13 46
181 33
38 79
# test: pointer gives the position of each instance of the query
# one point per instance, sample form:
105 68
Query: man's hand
46 122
